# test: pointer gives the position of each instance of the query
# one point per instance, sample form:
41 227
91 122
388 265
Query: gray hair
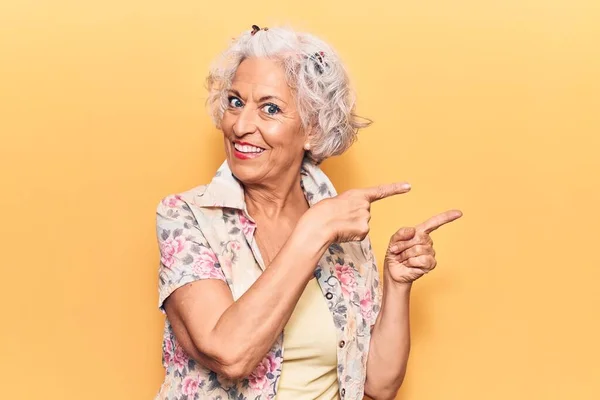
316 75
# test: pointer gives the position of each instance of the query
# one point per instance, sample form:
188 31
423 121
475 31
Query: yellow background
487 106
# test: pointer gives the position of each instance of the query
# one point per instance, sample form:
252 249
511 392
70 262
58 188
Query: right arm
232 337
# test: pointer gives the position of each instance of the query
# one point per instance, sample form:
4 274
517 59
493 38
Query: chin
247 171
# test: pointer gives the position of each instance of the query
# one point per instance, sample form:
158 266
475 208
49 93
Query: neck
273 199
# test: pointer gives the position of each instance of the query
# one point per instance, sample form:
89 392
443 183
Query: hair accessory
319 60
256 28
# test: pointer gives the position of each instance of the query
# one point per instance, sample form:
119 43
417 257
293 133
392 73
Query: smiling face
262 129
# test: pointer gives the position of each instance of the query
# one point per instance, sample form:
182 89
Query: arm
229 337
410 255
390 342
232 337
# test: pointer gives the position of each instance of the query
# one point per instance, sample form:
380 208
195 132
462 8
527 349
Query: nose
244 124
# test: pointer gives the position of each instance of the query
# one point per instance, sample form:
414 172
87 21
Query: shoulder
176 204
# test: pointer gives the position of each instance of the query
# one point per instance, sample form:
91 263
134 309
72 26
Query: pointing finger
382 191
441 219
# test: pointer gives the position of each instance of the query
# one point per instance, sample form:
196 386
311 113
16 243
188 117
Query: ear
309 137
308 143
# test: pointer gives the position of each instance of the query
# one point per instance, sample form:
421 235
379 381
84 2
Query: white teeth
247 148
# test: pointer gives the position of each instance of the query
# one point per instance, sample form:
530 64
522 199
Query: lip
247 144
245 156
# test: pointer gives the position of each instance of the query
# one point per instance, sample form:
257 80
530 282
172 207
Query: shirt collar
225 190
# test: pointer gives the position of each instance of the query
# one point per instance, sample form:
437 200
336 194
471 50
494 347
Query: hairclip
319 60
256 28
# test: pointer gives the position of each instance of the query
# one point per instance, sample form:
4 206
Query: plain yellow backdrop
487 106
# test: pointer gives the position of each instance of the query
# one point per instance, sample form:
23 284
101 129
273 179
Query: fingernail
406 186
394 249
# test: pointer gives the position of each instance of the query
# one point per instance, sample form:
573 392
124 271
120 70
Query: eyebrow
262 99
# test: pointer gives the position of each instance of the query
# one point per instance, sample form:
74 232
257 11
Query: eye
235 102
271 109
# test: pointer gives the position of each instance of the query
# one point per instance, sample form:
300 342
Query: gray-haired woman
267 276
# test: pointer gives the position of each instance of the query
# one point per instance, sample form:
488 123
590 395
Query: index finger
441 219
382 191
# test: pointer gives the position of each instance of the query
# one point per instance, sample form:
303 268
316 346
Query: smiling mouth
247 148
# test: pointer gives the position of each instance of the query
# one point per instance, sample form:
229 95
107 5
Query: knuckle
361 202
365 227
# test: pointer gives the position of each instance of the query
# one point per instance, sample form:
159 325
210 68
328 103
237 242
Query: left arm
390 343
410 255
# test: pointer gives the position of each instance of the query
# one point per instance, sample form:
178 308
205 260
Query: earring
307 146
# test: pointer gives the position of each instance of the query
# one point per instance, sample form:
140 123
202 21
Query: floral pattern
345 276
259 379
206 233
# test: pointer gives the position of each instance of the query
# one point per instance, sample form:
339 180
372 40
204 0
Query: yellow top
309 369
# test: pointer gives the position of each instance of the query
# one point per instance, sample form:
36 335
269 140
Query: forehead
261 75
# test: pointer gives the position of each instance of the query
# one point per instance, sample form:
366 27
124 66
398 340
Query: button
329 296
343 392
342 344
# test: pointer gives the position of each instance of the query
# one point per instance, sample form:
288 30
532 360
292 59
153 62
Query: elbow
232 372
381 395
232 365
381 392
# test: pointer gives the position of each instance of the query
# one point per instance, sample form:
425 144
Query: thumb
403 234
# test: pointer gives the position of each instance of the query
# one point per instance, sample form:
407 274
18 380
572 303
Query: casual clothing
309 369
206 233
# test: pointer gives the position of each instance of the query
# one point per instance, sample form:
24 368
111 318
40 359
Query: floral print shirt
206 233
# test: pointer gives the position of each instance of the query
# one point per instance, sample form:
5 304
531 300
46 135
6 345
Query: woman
267 276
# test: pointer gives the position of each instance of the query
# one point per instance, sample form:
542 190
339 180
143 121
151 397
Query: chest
271 235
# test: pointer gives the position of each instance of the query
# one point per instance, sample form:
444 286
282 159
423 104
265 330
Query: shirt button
342 344
329 296
343 392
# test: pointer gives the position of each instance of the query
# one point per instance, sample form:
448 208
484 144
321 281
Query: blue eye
271 109
235 102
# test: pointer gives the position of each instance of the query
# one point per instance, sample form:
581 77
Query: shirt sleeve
185 255
371 303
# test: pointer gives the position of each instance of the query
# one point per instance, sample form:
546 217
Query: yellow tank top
309 369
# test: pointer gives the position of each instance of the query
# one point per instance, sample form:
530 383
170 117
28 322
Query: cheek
283 136
227 124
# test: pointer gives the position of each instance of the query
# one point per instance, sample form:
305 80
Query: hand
410 254
345 217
